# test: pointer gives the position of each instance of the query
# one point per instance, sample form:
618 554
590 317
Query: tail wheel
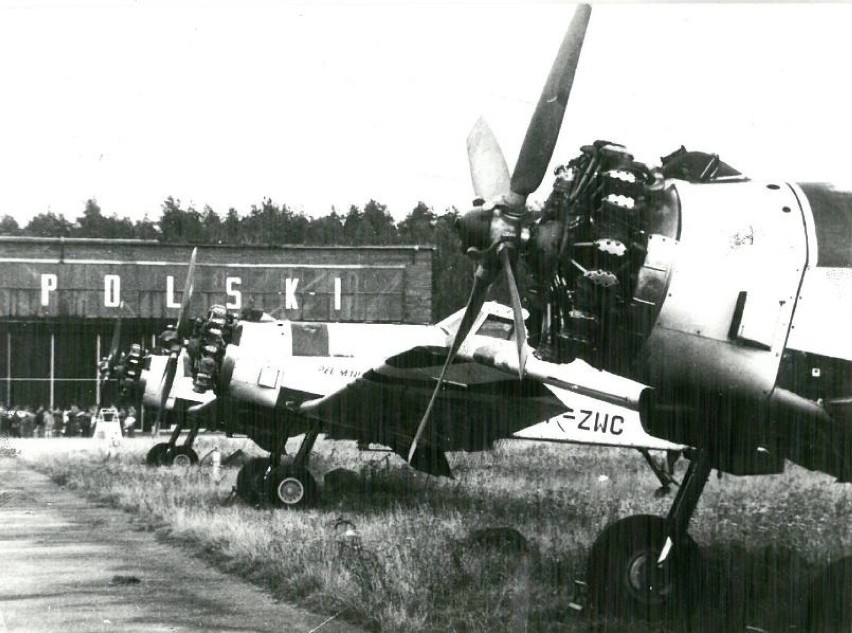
250 479
184 456
159 455
625 580
292 488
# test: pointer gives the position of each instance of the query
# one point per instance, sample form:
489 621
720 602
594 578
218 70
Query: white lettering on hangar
112 291
59 299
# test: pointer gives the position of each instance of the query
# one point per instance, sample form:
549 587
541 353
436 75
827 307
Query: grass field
413 562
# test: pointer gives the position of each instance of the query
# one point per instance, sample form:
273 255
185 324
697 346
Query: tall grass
395 550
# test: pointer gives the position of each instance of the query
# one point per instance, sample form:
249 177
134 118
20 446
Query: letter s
237 297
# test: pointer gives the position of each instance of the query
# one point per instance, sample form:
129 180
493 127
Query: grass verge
394 550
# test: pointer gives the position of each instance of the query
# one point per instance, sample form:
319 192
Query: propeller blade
116 337
488 169
183 316
106 367
157 422
201 407
180 332
543 129
165 390
481 282
517 311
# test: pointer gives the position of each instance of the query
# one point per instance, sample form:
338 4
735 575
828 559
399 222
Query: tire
250 480
625 582
184 456
159 455
291 488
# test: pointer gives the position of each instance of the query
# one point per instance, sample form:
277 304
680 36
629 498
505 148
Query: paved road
69 565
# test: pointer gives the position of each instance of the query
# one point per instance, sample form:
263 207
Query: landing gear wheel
250 480
292 488
159 455
625 581
184 456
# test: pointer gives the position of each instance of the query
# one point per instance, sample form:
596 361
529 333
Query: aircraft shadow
376 490
765 589
773 588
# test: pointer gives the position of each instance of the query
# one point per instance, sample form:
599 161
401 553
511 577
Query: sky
322 105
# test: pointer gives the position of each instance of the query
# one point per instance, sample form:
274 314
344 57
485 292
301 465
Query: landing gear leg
663 473
193 431
686 499
252 477
169 453
185 455
163 453
647 567
303 456
292 485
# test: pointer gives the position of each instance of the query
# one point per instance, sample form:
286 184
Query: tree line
271 223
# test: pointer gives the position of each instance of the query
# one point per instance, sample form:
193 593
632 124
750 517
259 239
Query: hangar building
60 297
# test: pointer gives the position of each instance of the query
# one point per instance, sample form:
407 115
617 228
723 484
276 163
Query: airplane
729 298
698 309
273 380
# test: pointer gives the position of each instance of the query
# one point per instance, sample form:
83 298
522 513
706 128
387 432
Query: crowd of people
58 422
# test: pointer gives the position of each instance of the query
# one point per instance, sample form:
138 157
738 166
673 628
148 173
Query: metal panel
740 241
824 313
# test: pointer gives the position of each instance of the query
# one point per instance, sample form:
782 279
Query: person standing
49 422
38 424
59 421
28 421
85 423
129 424
72 426
15 425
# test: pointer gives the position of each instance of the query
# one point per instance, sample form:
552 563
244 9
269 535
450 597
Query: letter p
49 283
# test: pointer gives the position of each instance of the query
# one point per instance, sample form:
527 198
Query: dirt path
69 565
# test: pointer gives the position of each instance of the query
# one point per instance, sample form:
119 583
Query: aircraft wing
483 400
477 405
600 408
